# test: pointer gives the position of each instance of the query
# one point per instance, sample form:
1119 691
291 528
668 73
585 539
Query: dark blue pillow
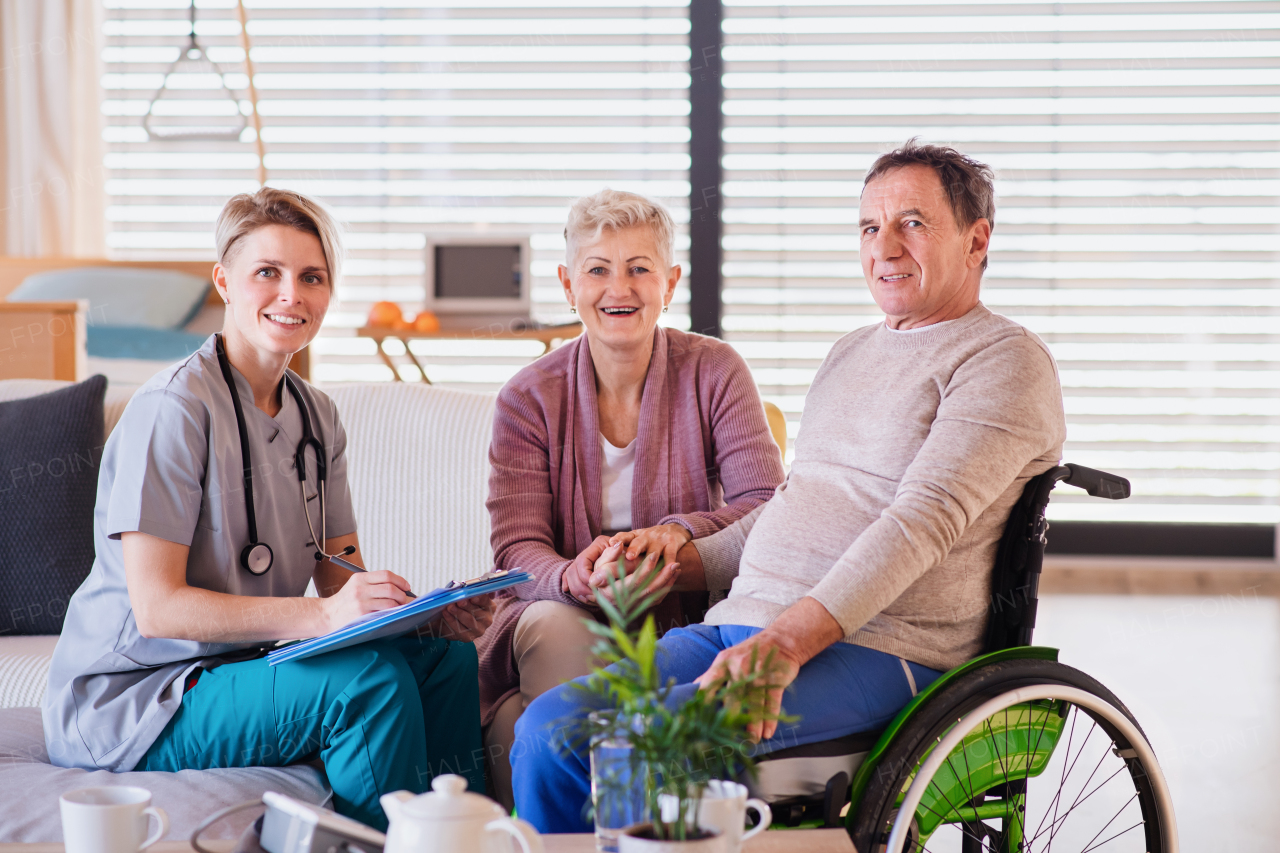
50 447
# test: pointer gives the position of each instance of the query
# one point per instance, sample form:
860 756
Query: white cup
724 809
110 820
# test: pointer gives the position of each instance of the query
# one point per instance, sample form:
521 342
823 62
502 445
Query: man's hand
464 620
575 580
665 539
795 638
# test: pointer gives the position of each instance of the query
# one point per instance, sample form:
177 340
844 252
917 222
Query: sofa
418 468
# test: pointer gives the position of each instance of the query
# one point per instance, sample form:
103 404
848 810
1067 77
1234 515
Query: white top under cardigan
616 477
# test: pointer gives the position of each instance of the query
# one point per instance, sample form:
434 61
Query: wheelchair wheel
1021 755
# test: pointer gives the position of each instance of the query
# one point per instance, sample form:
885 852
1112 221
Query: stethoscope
256 557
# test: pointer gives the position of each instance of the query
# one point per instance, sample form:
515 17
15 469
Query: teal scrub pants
383 716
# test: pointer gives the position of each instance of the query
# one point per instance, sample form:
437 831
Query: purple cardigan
704 459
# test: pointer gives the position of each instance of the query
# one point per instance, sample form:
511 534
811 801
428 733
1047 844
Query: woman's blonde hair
616 209
245 213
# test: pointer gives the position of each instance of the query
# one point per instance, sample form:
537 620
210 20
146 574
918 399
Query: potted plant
673 749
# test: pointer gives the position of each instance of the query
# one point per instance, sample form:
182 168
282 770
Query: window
407 117
1138 220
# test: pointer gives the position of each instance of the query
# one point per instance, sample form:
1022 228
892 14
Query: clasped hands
587 577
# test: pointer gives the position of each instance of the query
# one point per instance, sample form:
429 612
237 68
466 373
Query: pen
351 567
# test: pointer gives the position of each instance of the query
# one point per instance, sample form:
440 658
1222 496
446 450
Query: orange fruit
385 314
426 322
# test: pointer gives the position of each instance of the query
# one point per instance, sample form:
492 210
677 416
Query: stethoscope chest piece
256 558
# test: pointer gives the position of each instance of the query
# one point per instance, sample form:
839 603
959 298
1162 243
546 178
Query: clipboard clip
482 579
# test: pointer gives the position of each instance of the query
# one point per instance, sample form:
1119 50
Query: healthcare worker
202 564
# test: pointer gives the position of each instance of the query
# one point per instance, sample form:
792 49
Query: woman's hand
464 620
666 539
576 577
364 592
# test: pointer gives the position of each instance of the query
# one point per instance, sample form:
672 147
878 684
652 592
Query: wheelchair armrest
1098 484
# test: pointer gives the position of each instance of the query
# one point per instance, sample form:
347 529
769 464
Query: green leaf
676 750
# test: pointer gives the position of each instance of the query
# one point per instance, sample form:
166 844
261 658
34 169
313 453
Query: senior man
869 571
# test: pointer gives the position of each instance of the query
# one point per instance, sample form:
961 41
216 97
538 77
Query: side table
546 335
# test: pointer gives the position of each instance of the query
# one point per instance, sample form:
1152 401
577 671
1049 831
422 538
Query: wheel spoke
942 818
1067 770
968 773
1022 818
989 803
1067 813
1003 767
917 846
967 789
1077 800
1090 845
933 781
954 810
1071 733
1113 838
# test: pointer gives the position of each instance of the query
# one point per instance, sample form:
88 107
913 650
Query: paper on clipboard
398 620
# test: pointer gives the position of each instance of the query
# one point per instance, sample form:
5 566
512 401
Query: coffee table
777 841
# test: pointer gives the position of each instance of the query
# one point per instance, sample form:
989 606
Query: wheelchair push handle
1098 484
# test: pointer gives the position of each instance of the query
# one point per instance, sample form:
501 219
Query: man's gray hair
617 209
970 184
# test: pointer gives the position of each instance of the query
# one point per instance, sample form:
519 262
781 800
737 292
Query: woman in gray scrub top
161 662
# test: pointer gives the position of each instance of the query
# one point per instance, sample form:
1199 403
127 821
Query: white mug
724 809
110 820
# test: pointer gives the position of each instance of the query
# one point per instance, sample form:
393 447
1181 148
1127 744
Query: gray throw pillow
50 448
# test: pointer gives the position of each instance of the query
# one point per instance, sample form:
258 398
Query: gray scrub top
172 468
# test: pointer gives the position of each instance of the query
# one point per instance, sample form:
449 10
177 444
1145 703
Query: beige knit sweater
912 450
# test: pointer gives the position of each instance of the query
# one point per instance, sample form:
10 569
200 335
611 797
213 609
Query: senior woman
632 436
203 532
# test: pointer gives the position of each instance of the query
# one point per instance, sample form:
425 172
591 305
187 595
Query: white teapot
449 819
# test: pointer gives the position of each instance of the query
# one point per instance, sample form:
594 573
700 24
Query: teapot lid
449 799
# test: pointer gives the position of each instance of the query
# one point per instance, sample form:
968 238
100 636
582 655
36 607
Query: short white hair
616 209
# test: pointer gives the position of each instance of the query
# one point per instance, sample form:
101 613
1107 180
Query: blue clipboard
397 620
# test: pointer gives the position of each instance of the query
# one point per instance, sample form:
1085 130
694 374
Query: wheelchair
1011 752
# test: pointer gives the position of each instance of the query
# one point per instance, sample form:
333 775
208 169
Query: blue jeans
845 689
383 716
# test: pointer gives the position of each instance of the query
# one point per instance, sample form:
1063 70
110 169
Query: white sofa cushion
418 464
30 787
24 670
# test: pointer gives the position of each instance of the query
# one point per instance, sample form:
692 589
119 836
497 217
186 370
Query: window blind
407 117
1137 148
